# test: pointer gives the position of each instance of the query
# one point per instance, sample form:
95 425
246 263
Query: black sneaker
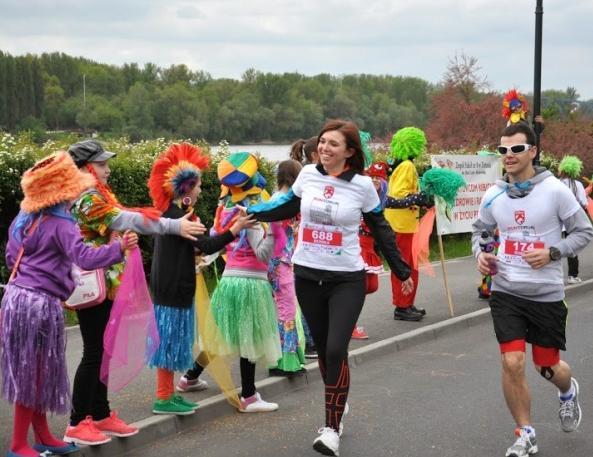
406 314
418 310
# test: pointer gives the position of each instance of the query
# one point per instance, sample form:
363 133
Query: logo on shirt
328 192
520 217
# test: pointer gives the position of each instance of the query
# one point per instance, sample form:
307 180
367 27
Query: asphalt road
441 398
134 402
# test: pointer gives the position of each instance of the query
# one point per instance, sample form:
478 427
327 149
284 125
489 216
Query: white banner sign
480 173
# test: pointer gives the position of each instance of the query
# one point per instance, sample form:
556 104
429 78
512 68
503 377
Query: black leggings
573 266
331 310
247 375
89 396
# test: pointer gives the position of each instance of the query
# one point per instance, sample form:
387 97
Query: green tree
53 100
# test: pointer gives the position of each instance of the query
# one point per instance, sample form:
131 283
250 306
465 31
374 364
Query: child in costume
282 279
174 186
402 211
373 264
101 218
44 243
242 303
570 169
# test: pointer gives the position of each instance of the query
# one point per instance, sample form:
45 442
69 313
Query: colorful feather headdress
175 172
514 106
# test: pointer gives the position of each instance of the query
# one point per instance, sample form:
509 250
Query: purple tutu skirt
33 351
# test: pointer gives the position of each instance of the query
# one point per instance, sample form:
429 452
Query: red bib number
512 247
322 237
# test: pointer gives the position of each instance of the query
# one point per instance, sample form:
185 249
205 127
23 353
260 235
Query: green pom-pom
442 182
571 166
365 141
407 143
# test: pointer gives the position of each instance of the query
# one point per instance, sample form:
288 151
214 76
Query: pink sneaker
85 433
114 426
191 385
359 334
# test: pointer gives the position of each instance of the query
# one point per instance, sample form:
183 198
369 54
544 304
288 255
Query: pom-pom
443 183
571 166
407 143
365 141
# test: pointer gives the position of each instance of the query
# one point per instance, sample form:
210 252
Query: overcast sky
398 37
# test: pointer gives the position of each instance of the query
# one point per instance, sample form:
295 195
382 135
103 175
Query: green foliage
176 102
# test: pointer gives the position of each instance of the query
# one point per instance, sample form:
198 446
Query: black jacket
173 274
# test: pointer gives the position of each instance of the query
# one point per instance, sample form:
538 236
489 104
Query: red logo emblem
328 192
520 217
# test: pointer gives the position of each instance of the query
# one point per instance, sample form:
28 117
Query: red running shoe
85 433
359 333
114 426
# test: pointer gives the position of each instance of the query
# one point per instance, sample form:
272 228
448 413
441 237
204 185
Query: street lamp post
537 74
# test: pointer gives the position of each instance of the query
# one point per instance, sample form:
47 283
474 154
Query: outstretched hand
191 228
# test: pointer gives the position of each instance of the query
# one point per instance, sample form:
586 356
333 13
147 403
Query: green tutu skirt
245 314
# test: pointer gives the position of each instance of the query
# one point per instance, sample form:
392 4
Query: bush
129 173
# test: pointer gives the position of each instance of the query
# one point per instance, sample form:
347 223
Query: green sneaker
171 406
182 401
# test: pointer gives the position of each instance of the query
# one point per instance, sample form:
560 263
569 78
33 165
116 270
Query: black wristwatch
555 253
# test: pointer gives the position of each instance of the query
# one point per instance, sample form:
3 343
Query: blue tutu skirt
176 328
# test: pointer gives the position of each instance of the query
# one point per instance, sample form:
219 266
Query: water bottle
488 244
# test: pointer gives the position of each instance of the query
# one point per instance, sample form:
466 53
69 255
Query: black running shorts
539 323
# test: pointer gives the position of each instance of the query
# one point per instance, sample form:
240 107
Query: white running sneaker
344 414
574 280
255 404
525 445
328 441
570 413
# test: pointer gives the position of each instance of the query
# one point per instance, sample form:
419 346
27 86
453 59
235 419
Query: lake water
273 152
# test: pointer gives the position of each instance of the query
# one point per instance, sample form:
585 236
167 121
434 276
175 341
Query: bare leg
562 375
514 387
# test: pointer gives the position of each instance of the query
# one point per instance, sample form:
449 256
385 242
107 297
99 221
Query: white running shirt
331 209
531 222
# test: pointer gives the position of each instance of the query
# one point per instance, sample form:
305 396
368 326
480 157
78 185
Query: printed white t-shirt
578 191
531 222
331 209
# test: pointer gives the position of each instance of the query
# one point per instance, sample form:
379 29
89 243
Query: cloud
225 37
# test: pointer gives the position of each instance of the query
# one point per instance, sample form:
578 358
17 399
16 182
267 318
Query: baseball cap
87 151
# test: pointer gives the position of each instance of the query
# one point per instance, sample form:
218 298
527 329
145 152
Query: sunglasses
515 149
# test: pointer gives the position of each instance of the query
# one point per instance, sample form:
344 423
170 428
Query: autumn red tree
454 123
570 136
